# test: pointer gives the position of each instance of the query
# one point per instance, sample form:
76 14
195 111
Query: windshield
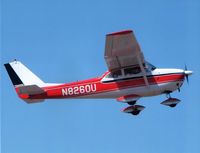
150 66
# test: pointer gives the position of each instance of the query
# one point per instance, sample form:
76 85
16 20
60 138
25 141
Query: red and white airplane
129 77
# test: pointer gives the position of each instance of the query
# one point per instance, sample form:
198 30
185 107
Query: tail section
21 75
26 83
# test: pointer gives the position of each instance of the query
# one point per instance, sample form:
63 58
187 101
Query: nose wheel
171 102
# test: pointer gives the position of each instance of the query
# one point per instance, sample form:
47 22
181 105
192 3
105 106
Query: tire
136 112
172 105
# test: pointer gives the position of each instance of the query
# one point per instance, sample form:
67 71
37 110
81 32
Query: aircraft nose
187 72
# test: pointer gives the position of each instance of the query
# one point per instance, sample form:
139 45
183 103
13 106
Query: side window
114 74
130 71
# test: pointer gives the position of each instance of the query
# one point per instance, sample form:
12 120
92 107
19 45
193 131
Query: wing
122 50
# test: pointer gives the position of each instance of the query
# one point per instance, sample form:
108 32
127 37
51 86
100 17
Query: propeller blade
187 79
185 67
187 73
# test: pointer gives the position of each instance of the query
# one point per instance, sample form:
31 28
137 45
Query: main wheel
173 105
135 112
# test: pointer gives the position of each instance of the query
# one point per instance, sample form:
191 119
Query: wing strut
143 71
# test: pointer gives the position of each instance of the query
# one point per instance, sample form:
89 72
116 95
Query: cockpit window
133 70
114 74
150 66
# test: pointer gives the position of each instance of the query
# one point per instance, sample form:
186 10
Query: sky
64 40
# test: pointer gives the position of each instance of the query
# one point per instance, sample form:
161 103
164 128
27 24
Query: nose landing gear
171 102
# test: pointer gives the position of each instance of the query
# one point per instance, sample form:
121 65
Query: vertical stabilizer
21 75
26 83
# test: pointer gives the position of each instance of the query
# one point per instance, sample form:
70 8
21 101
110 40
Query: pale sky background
63 41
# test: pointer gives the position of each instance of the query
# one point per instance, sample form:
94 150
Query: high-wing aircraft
129 78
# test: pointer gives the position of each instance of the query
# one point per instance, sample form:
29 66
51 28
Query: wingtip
120 33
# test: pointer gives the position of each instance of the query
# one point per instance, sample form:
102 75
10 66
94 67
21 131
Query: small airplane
129 78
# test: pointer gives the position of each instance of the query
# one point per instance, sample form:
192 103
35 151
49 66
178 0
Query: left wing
122 50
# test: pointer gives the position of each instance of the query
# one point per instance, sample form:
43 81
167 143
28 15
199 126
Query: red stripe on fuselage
56 91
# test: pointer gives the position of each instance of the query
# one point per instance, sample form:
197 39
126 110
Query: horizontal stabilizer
30 101
30 90
25 92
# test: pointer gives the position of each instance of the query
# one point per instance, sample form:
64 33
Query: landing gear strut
131 102
171 102
168 94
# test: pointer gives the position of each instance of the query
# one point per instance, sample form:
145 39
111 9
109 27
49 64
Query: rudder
26 83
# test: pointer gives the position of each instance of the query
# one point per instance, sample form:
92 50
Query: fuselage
129 77
160 81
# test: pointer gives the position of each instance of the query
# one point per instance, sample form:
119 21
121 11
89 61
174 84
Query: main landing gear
133 109
131 102
136 109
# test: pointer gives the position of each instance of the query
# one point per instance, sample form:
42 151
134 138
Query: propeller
187 73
